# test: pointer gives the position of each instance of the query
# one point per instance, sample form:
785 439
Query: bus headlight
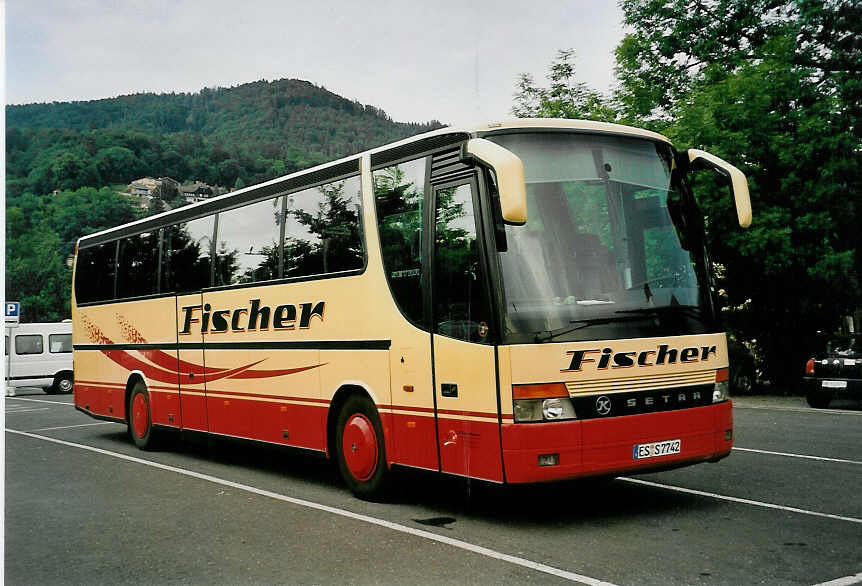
721 391
554 409
542 402
528 410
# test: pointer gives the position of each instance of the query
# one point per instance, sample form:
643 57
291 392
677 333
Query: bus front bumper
609 446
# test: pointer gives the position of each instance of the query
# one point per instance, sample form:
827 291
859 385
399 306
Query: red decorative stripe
263 396
96 382
95 386
408 408
128 362
269 373
467 413
170 361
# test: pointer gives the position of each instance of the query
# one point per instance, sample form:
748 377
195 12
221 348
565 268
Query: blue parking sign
13 312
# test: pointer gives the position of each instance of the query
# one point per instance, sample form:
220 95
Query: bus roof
350 165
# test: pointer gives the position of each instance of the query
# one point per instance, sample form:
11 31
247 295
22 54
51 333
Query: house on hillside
197 191
147 185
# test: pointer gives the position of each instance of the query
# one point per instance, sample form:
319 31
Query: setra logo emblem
603 405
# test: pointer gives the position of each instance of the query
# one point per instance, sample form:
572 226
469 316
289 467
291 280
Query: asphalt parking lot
84 506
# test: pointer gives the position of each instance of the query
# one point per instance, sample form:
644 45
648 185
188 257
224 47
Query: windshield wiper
582 323
688 310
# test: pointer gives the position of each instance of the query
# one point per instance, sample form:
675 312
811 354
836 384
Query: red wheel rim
359 446
140 416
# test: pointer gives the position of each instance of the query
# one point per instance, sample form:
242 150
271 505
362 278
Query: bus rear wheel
139 417
359 449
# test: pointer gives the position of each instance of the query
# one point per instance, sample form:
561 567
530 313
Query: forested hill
67 163
243 134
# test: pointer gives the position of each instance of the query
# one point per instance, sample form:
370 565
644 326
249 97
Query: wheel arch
135 377
346 390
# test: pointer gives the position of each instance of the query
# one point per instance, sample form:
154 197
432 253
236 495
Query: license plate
834 384
657 449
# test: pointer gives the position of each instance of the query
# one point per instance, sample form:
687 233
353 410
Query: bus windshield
612 247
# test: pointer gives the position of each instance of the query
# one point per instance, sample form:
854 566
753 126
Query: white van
41 356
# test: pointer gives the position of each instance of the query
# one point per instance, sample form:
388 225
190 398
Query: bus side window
94 273
138 265
461 309
248 250
323 232
399 193
186 258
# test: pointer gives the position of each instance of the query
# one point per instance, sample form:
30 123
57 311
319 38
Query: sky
454 61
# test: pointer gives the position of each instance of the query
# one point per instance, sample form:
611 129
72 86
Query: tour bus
519 302
41 357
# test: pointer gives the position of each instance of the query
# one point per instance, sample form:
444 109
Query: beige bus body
336 343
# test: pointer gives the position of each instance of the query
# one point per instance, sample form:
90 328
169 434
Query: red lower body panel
90 397
605 446
101 399
275 421
412 439
470 448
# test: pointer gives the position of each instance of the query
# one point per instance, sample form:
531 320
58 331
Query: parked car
836 373
41 356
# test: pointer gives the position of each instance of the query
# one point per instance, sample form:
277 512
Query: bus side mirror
703 160
510 177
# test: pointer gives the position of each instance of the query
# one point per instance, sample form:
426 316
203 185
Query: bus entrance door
465 379
467 423
190 360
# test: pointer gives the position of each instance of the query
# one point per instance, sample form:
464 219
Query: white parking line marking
66 403
734 499
79 425
478 549
24 410
845 581
797 456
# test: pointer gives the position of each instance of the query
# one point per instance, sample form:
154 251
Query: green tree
773 87
565 97
40 237
118 164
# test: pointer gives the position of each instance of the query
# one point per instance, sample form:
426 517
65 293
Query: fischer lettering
257 317
607 358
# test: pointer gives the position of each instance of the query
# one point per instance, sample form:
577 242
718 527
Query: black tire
139 418
819 399
360 451
64 383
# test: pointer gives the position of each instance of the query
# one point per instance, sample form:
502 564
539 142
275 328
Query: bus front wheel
360 450
140 419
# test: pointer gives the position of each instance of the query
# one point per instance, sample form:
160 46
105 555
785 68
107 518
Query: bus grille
640 383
